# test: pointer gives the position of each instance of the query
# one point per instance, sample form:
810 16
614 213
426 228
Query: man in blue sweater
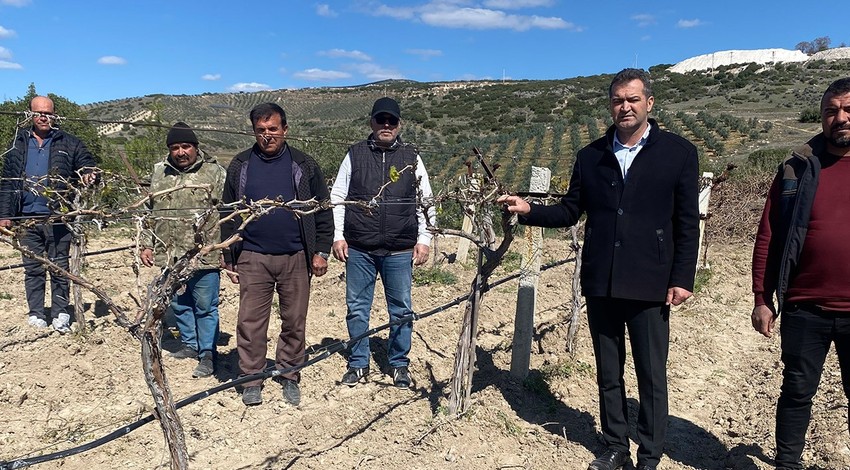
279 251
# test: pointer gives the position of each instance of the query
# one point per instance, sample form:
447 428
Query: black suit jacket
642 234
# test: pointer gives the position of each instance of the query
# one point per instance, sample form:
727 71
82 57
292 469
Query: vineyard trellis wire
310 205
83 203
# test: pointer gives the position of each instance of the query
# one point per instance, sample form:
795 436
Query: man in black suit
638 186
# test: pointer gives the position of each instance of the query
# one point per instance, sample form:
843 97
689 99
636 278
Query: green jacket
174 213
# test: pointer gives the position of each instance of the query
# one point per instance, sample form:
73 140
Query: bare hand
320 266
340 250
146 255
88 178
420 253
230 270
677 295
6 223
515 204
764 319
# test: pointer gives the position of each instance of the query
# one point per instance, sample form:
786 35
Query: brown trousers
259 277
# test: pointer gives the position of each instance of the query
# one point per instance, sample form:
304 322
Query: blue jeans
196 311
361 272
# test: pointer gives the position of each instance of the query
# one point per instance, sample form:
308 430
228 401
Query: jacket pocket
659 238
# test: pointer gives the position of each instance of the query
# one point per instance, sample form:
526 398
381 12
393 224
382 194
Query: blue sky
98 50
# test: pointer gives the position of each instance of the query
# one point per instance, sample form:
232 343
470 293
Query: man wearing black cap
279 251
196 308
387 239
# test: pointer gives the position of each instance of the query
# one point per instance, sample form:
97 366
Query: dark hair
627 75
266 110
838 87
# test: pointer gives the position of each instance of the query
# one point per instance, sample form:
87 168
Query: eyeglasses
384 119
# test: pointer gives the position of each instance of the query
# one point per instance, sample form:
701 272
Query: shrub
810 115
766 160
433 276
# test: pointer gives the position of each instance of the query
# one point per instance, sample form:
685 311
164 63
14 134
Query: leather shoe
611 460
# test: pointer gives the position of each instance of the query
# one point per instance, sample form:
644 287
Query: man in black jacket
43 157
638 186
279 251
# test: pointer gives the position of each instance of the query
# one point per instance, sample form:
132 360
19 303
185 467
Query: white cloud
320 75
425 53
211 77
324 9
5 53
111 60
16 3
456 14
481 18
517 4
342 53
644 19
6 33
248 87
689 23
10 65
396 12
376 72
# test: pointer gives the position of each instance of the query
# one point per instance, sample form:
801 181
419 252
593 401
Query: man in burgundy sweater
801 256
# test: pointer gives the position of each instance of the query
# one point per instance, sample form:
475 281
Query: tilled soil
60 391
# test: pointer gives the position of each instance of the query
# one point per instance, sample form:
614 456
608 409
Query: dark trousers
649 334
54 242
807 332
260 276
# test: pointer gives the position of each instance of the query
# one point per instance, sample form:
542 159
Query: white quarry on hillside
758 56
836 53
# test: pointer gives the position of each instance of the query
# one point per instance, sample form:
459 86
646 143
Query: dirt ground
60 391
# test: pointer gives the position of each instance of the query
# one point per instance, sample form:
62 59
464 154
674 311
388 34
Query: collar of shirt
626 155
44 141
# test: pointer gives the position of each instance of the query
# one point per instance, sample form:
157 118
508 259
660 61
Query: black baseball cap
386 105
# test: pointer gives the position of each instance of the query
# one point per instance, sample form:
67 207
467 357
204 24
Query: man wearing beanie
386 240
196 308
279 252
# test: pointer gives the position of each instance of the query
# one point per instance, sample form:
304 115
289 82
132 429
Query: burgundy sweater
822 276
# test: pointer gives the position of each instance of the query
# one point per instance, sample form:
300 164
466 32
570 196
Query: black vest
390 223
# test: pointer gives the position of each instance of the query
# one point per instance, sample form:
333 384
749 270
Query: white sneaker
37 322
62 323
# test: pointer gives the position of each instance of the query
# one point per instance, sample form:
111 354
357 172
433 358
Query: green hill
728 112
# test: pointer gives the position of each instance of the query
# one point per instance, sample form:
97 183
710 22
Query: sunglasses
384 119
